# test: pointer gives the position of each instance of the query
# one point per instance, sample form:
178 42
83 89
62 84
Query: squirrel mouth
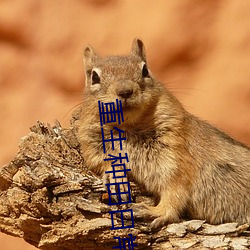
127 104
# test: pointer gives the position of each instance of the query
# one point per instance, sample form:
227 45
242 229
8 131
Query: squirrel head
126 78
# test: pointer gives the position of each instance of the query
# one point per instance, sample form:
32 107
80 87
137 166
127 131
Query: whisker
71 109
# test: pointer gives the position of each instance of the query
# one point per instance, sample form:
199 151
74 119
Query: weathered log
49 198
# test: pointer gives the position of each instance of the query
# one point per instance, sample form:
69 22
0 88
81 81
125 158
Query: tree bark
50 199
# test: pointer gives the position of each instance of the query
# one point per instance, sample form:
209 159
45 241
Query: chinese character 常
122 243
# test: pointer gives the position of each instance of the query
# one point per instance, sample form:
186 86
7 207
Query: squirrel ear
89 57
138 49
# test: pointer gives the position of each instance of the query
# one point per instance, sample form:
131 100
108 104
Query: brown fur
191 166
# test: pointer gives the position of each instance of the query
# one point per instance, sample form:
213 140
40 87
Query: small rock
214 241
179 229
220 229
239 243
183 243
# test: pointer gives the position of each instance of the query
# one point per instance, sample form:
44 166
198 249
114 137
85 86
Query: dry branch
49 198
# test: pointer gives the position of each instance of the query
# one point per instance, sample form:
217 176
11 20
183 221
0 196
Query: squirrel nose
125 93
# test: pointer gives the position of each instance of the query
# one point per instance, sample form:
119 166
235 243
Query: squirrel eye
145 72
95 78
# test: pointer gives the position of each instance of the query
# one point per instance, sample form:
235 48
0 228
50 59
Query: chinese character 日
122 219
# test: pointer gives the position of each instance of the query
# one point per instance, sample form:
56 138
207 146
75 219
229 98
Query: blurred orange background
200 49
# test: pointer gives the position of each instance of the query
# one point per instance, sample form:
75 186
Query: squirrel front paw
142 211
160 217
158 223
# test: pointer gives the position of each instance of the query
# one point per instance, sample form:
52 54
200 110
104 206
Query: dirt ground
200 49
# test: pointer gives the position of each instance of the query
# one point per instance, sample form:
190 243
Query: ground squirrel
190 166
